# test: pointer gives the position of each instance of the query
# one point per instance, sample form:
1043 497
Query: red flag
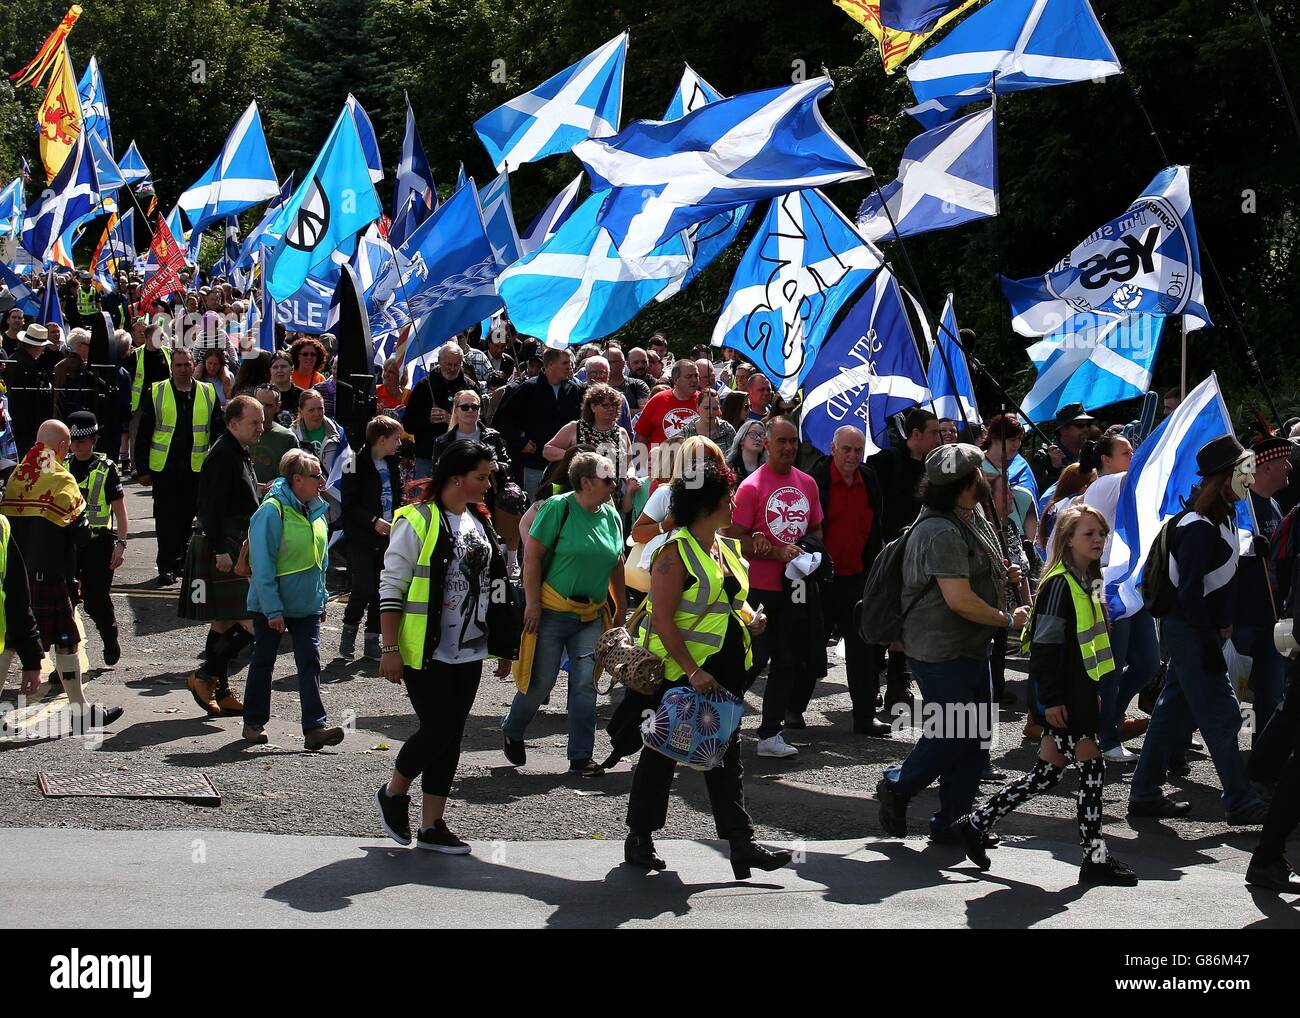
166 254
39 66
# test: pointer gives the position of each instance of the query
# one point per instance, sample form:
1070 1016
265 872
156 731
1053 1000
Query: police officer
101 486
179 421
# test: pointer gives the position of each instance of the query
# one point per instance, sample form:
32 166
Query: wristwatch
394 649
119 542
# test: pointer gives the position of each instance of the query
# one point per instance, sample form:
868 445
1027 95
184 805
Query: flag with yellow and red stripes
46 57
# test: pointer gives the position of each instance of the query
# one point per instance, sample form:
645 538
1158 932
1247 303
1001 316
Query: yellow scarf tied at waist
552 601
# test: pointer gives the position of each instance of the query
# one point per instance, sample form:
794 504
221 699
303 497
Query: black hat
1223 453
1071 413
1268 448
82 424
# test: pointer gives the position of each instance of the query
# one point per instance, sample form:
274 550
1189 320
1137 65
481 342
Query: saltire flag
1010 46
134 170
48 55
261 236
239 178
94 104
582 101
949 379
18 289
369 143
460 177
803 265
1145 261
406 220
414 176
335 202
51 312
71 197
1092 360
499 220
13 203
916 15
259 324
867 370
577 286
948 176
26 173
705 240
59 119
666 177
451 281
166 255
895 46
1160 479
107 171
548 222
226 264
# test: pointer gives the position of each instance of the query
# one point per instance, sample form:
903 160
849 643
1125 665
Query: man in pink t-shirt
776 507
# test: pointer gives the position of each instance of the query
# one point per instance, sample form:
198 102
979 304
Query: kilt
52 606
207 594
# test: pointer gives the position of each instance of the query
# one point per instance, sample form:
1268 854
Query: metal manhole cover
195 787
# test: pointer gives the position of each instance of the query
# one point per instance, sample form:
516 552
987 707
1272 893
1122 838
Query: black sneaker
1161 806
1248 816
893 809
515 750
1273 876
394 814
1111 872
439 838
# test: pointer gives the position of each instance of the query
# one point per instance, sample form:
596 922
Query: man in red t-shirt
669 413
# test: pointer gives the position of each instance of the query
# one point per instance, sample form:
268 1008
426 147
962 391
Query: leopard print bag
626 661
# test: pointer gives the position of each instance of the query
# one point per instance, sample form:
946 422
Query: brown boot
230 704
1032 729
1130 728
204 691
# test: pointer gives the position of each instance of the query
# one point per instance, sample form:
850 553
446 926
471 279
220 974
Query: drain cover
194 787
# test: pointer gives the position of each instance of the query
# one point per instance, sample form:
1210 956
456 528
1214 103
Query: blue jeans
423 467
531 478
1194 696
1267 673
956 756
559 633
306 654
1136 648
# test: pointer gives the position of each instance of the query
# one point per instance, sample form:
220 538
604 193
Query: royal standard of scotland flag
867 370
332 205
577 286
582 101
19 290
71 198
1145 261
948 176
803 265
1010 46
950 383
240 178
1094 361
1160 478
666 177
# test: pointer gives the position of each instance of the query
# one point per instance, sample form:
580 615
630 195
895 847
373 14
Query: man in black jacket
429 408
30 380
532 414
851 530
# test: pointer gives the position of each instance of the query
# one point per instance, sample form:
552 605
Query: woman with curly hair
308 357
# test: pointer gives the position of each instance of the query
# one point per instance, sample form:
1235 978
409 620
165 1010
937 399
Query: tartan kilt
52 606
207 594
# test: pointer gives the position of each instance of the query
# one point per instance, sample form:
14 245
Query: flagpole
1182 382
1277 68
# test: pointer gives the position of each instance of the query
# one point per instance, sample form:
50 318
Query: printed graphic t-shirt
783 508
664 417
465 599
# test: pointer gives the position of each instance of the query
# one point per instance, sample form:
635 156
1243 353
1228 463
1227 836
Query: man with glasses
429 408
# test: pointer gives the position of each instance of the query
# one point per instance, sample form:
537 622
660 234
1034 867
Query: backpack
1159 595
881 612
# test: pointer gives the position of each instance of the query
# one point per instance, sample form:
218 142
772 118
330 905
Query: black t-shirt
900 480
80 469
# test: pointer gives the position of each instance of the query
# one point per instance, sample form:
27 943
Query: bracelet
1011 620
119 541
693 674
394 649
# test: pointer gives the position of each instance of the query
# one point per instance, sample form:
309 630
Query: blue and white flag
22 294
1160 478
94 104
72 197
803 265
916 16
259 324
406 220
451 279
693 92
335 201
1021 475
106 171
239 178
1010 46
414 177
261 235
950 383
582 101
499 220
1145 261
948 176
666 177
51 312
551 218
1094 361
577 287
13 203
307 309
134 170
369 143
867 370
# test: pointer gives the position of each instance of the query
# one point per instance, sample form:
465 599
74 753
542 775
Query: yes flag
866 371
94 104
551 218
335 202
70 198
413 173
1010 46
51 312
1145 261
240 178
582 101
577 286
948 176
19 290
801 268
1160 478
1094 361
666 177
134 171
949 375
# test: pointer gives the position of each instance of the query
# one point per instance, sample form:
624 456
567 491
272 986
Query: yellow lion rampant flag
34 73
59 118
895 46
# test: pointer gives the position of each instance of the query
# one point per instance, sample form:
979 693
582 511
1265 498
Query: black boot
112 649
747 855
639 850
213 637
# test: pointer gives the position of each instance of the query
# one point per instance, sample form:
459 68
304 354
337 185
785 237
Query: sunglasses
466 408
314 477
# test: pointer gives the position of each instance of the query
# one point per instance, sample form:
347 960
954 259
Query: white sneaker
1120 755
776 746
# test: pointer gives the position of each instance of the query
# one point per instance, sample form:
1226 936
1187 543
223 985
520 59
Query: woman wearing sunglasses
308 356
597 427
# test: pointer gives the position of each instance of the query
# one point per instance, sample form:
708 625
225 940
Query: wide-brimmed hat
1218 455
34 335
1072 413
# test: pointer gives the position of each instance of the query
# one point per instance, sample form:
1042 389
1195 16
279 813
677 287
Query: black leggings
442 697
365 563
1284 812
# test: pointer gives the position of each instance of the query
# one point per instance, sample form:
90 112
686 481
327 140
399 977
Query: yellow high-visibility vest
164 405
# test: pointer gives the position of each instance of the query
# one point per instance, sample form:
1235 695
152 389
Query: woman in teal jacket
287 545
